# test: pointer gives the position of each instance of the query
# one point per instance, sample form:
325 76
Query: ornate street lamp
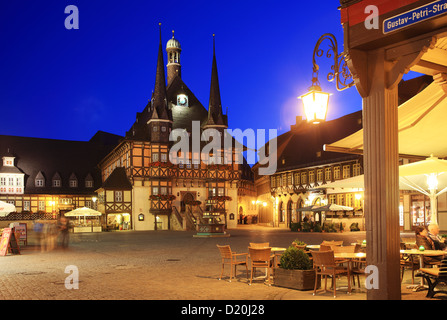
316 101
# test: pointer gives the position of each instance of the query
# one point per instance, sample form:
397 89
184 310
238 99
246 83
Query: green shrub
295 226
306 226
295 259
317 227
354 226
299 242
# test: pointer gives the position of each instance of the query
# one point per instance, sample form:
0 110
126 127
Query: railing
190 220
14 216
178 216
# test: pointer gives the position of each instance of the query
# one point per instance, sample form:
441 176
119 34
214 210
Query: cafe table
421 254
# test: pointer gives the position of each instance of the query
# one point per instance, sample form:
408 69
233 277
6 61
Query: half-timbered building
168 194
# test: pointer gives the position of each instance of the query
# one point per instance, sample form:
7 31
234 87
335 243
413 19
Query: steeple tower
215 116
173 50
160 115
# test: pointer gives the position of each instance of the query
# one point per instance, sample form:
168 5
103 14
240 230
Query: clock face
182 100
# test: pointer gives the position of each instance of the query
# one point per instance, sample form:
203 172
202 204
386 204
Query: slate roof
54 157
302 146
117 180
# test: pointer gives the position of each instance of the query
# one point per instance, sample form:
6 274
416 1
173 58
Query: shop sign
414 16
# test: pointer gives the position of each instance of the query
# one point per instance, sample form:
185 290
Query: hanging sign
414 16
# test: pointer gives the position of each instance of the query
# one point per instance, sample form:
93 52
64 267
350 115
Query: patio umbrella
309 208
425 176
6 208
83 212
332 207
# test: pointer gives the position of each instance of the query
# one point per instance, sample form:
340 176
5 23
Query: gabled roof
302 146
51 156
117 180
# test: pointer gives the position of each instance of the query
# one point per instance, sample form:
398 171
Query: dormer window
40 180
57 181
89 181
73 181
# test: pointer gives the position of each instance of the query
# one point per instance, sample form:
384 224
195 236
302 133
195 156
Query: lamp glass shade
315 104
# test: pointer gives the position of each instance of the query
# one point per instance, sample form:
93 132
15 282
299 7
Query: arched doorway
188 197
289 212
281 212
299 214
317 215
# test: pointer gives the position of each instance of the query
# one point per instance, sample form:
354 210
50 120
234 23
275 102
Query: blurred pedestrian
64 226
49 236
38 229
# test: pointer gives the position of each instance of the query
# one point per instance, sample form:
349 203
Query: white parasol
6 208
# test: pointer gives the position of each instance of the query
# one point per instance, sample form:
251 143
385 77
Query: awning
422 127
309 208
83 212
333 207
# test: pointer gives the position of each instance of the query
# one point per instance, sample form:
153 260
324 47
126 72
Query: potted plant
295 271
299 244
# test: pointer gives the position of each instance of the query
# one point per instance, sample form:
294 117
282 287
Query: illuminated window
303 178
332 199
320 175
346 172
311 176
297 179
337 173
356 169
349 200
341 199
327 174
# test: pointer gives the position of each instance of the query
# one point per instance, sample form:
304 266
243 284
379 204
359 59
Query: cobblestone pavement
153 265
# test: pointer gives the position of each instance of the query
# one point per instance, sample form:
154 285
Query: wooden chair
324 247
260 258
435 276
231 258
325 265
259 245
358 265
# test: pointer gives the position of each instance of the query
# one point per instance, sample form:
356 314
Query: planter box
295 279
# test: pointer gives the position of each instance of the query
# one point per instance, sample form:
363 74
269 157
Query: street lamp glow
315 104
432 181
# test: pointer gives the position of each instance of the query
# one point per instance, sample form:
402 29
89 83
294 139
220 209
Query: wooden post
382 180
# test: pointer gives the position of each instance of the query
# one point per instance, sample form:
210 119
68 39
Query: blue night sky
68 84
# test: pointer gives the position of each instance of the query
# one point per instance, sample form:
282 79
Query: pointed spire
159 97
215 116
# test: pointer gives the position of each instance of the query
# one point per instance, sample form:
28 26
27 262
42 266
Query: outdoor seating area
343 264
